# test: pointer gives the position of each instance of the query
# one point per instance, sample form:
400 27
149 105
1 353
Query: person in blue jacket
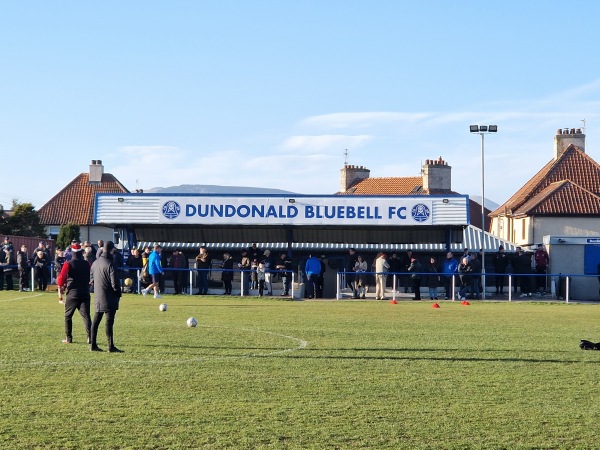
449 268
312 269
155 270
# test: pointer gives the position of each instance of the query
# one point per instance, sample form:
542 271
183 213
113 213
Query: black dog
587 345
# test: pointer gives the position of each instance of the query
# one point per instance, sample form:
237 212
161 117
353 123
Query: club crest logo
420 212
171 209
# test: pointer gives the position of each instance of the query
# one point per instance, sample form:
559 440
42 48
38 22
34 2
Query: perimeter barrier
555 285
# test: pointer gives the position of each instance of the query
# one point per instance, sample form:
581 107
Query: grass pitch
268 373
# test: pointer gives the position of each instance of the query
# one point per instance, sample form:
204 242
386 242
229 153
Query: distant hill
214 189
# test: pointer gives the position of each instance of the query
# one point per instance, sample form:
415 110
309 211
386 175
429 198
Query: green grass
276 374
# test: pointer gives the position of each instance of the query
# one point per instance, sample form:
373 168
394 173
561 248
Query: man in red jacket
74 279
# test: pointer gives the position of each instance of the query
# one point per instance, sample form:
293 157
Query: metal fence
554 286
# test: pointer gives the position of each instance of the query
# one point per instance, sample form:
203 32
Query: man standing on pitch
155 270
74 279
107 293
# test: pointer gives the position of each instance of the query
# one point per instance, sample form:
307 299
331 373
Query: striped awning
472 239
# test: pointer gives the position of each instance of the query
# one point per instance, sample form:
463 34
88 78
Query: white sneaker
523 295
144 292
157 296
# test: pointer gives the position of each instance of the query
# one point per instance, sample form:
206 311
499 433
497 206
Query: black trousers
228 286
40 276
23 279
416 285
312 284
72 304
500 280
9 281
110 321
178 281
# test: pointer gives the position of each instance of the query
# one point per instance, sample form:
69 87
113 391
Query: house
563 198
435 179
75 204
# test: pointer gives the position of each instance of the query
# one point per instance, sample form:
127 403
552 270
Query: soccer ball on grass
162 307
192 322
128 282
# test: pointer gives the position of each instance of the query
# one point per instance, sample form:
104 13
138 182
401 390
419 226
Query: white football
162 307
192 322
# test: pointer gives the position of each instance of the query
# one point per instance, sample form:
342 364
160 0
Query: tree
66 234
3 224
24 221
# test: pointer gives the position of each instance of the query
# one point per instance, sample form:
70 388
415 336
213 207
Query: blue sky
271 93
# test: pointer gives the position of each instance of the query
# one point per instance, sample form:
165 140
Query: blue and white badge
171 209
420 212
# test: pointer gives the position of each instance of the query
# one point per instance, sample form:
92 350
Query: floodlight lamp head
474 128
493 128
483 128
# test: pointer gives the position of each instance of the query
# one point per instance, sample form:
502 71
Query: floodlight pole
482 130
482 216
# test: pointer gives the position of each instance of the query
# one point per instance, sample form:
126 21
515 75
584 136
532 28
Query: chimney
351 174
96 171
566 137
437 176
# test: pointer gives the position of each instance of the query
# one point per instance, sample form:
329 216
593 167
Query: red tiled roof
575 166
558 198
75 202
386 186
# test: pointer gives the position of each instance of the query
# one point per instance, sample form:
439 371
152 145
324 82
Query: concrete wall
568 258
565 226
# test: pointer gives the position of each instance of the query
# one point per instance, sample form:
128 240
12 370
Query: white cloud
324 143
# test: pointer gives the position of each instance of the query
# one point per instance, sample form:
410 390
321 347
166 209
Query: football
162 307
128 282
192 322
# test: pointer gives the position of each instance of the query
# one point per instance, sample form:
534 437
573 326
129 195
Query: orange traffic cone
393 302
465 303
435 305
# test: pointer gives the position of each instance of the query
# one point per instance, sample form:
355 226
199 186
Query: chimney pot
96 172
565 137
437 176
559 131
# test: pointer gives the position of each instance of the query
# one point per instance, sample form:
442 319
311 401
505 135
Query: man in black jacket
74 278
476 278
350 275
500 264
107 293
285 263
23 266
522 268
